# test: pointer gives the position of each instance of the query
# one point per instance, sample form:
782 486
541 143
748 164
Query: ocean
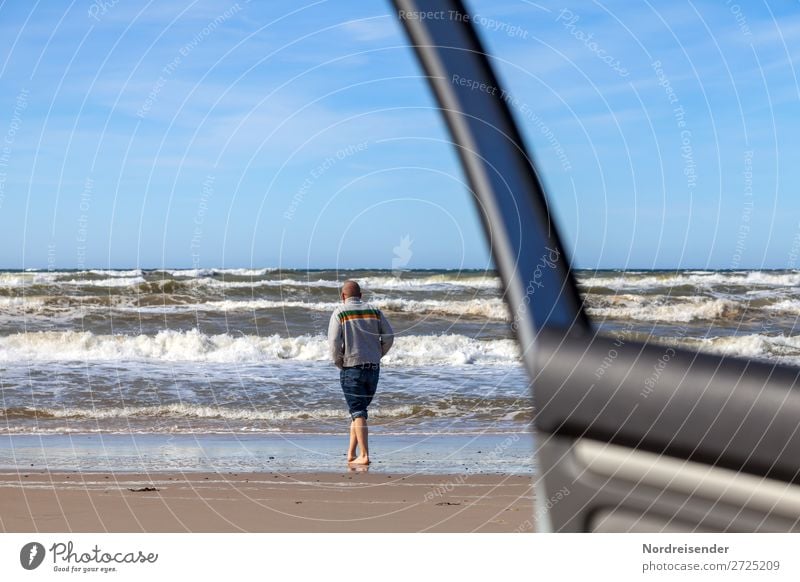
222 361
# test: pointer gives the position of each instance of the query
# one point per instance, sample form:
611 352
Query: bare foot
362 460
351 456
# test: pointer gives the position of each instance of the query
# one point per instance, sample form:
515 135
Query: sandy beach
350 501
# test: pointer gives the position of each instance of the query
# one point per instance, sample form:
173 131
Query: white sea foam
779 348
703 279
653 281
113 273
791 306
229 305
762 278
193 346
246 272
678 310
110 282
452 349
116 278
198 411
212 272
203 277
492 308
433 283
14 280
207 282
20 304
190 272
623 280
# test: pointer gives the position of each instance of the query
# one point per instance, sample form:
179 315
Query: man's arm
336 340
387 334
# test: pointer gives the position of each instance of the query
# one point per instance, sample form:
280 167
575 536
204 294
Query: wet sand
282 453
348 501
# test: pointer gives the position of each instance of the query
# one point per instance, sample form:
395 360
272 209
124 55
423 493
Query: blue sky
301 134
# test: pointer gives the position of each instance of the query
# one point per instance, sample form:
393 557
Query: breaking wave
775 348
193 346
704 279
492 308
678 310
195 411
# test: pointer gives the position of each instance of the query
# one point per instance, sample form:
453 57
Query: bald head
350 289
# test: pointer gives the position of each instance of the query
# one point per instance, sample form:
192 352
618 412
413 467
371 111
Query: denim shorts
359 384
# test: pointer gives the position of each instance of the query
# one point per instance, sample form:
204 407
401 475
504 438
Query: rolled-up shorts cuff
359 384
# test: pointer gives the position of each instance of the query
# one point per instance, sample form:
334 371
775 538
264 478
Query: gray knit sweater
358 334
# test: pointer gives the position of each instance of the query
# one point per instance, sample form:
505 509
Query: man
359 336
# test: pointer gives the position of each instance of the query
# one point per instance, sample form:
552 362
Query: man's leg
360 428
348 380
369 384
351 451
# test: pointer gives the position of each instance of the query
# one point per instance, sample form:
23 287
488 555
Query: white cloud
373 29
